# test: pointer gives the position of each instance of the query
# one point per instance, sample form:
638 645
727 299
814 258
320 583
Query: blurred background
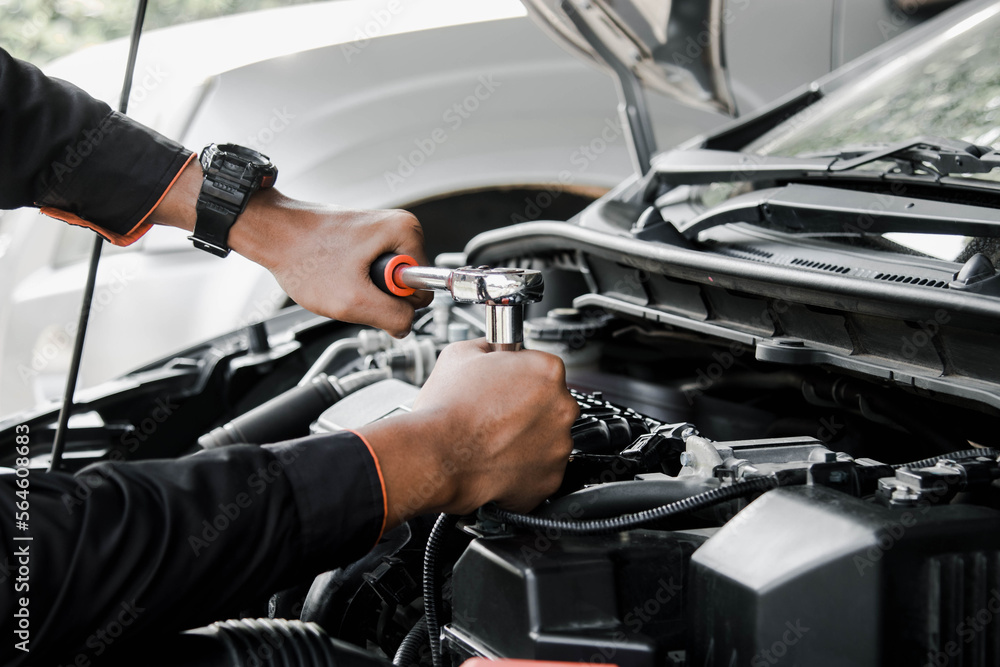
42 30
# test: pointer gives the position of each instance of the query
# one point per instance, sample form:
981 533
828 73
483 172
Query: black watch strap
232 174
211 231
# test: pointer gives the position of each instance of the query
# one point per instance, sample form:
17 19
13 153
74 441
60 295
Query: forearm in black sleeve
157 546
63 149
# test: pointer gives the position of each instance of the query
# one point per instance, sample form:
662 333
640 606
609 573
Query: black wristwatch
232 174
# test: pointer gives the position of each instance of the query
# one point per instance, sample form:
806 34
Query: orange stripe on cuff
133 234
381 481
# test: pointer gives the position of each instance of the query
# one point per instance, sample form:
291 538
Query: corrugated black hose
432 600
696 502
626 521
965 453
408 653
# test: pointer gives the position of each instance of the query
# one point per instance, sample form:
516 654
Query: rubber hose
444 523
284 417
627 521
611 499
408 653
927 463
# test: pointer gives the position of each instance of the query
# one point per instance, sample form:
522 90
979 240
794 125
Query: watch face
245 153
245 165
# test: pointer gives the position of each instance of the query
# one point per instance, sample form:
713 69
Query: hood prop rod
632 106
59 441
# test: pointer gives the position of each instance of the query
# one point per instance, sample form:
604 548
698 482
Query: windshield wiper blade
939 157
944 157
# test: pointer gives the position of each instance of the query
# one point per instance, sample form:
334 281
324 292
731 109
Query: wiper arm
941 157
700 166
814 209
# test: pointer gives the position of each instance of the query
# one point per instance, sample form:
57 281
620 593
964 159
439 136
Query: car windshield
947 87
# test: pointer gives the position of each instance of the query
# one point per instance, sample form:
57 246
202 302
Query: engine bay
786 450
718 507
788 528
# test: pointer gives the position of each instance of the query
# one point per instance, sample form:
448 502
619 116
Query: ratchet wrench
503 291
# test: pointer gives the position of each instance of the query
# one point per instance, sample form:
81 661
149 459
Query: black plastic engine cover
812 576
591 599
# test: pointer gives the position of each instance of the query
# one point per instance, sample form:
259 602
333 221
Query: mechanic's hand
486 426
319 254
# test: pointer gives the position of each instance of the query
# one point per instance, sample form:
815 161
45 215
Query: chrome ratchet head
503 291
496 286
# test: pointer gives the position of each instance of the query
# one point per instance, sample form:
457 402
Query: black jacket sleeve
127 549
63 149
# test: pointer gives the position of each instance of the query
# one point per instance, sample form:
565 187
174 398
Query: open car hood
674 48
